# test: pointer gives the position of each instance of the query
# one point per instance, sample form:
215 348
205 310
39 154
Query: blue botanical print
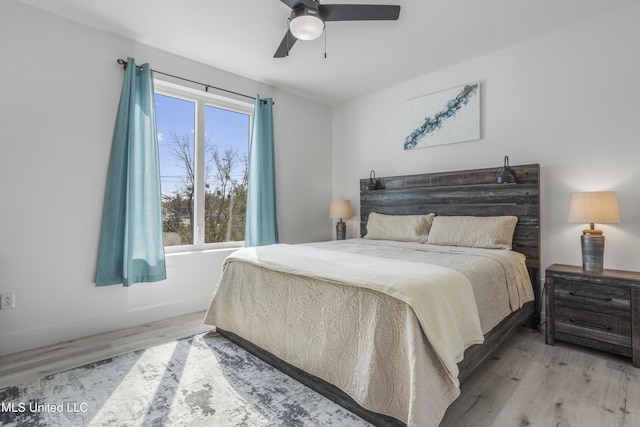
433 123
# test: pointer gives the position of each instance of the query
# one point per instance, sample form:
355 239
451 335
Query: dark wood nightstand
599 310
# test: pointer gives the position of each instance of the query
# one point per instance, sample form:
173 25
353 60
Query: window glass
226 167
175 120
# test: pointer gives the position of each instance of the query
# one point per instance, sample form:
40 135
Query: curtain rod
206 86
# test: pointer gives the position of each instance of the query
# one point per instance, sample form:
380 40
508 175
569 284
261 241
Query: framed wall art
443 118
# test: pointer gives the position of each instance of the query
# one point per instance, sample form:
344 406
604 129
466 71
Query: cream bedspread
369 342
442 298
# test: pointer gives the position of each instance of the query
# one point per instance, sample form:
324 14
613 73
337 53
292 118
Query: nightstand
598 310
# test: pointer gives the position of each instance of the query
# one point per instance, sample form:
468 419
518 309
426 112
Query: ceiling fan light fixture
306 24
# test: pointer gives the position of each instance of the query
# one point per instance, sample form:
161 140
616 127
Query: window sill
171 251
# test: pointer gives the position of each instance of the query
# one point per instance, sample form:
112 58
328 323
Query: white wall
567 100
59 90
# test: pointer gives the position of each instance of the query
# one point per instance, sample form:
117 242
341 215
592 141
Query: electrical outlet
7 300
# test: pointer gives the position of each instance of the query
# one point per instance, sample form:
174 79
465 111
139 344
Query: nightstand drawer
594 296
593 325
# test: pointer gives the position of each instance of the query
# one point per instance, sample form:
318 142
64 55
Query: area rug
203 380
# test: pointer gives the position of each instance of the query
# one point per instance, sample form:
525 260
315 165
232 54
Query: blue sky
223 128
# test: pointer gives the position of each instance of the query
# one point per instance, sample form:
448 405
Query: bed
354 319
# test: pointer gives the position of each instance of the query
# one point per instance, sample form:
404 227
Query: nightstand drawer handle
590 325
576 294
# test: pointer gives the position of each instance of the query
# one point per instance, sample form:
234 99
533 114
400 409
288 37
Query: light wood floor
527 383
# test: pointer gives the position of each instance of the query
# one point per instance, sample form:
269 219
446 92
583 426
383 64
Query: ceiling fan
308 17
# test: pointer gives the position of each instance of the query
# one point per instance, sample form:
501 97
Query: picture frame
445 117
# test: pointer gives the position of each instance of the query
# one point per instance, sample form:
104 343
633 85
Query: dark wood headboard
467 192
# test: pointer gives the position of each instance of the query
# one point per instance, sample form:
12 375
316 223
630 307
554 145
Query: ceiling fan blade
359 12
297 3
285 45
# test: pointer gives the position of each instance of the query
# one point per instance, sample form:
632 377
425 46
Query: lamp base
341 230
592 242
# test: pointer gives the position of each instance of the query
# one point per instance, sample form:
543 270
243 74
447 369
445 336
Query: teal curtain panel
261 227
131 244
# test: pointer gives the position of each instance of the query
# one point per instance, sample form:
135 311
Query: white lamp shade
594 207
340 209
306 27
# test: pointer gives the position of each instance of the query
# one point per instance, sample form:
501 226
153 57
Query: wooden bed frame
470 192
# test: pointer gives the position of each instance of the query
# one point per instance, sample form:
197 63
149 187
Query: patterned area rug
204 380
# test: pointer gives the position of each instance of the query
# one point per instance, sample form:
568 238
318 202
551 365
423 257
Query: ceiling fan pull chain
325 43
286 36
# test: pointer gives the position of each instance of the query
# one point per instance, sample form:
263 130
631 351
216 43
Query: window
203 144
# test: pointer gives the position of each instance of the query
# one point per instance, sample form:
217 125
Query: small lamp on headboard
593 207
341 209
506 176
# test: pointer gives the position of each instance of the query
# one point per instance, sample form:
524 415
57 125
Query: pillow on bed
402 228
492 232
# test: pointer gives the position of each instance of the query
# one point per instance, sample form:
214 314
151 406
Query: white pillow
492 232
402 228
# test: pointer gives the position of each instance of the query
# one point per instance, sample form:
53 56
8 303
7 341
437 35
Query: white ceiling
241 36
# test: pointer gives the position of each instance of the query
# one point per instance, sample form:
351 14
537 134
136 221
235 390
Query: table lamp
341 209
593 207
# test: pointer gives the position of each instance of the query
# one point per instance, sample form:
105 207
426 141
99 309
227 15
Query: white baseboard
17 341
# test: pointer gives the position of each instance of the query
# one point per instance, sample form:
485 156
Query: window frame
201 100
